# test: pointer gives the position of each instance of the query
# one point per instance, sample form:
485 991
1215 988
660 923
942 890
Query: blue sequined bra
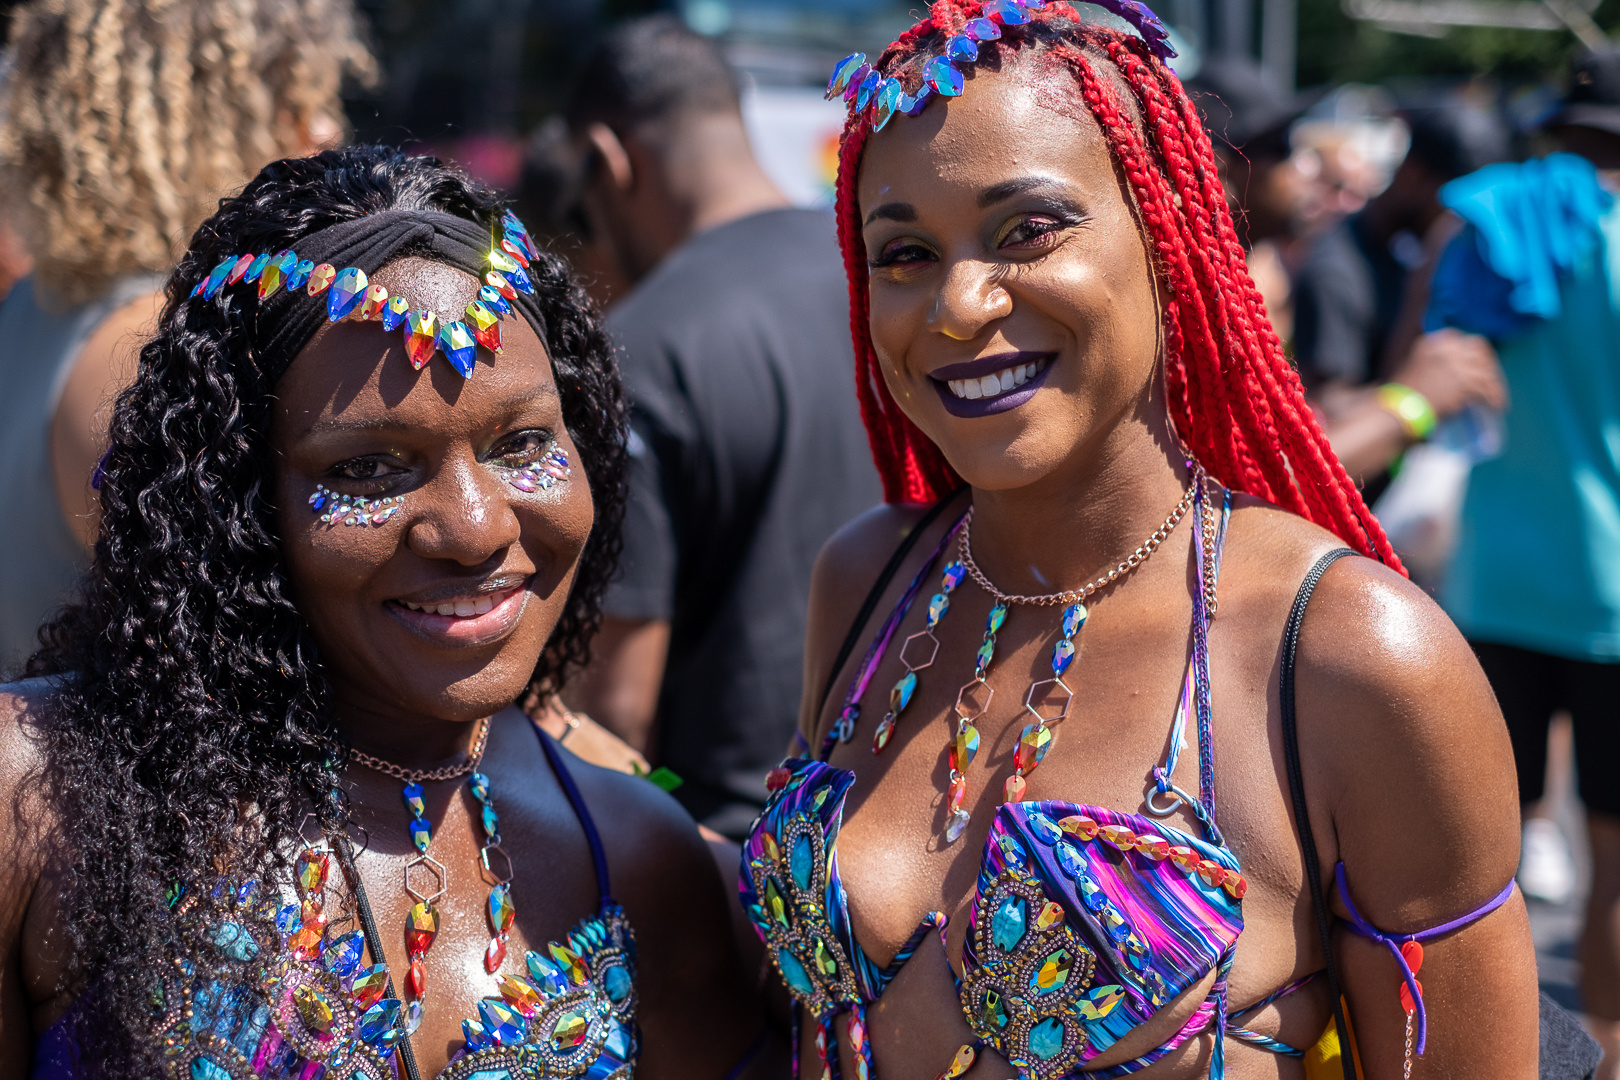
1084 923
324 1014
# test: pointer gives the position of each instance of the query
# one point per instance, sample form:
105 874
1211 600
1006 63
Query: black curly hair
190 722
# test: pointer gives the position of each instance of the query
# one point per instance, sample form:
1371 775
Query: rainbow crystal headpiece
865 87
349 295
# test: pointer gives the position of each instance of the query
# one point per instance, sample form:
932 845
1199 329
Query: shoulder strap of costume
853 638
1296 790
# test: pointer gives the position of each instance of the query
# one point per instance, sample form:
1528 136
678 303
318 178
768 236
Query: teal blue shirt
1538 560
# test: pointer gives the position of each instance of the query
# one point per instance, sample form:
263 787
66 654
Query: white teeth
482 605
995 385
445 609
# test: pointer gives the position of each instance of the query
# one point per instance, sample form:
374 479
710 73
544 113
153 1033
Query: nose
463 515
970 298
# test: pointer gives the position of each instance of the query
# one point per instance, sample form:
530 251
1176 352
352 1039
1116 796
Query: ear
615 158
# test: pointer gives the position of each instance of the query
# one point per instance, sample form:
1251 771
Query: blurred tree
1335 48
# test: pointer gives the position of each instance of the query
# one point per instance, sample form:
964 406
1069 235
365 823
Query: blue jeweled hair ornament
865 87
350 295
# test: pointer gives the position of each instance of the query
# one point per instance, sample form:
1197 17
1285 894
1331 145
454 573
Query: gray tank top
40 558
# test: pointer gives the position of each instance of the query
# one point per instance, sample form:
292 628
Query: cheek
330 564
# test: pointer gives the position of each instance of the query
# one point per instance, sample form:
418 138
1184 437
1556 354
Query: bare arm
620 687
1410 782
30 982
105 365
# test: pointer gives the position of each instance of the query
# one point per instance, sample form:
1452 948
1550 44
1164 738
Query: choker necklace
1047 700
426 879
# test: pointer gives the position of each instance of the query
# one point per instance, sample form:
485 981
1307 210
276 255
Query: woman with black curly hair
270 809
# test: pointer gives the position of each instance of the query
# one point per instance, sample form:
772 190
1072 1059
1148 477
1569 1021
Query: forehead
358 372
1027 118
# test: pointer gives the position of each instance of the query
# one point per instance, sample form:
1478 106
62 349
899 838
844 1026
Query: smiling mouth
1001 382
466 608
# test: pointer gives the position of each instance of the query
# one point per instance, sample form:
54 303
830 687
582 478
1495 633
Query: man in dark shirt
747 448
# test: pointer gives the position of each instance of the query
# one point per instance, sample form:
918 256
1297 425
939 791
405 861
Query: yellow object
1323 1061
1411 408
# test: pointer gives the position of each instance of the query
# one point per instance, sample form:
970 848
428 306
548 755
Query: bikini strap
1393 942
844 728
581 811
1296 792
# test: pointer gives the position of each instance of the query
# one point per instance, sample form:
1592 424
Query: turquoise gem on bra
1007 925
1046 1038
800 859
793 972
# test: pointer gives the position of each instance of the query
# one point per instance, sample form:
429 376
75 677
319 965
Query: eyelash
896 255
539 439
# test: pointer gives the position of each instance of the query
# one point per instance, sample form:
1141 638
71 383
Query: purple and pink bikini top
1085 921
327 1015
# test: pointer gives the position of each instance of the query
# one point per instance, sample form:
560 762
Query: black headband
288 320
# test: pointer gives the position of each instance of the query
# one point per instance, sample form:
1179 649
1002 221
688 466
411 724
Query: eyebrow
1024 185
894 211
391 422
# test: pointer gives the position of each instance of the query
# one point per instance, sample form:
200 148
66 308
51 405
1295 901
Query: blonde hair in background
123 122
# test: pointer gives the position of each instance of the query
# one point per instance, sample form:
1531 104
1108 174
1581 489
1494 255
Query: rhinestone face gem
515 251
372 305
503 262
1007 925
499 282
868 87
393 313
368 986
913 106
216 278
459 347
964 747
239 269
274 273
313 1008
492 297
885 104
1008 12
255 268
485 325
421 337
320 279
347 292
501 912
943 78
298 276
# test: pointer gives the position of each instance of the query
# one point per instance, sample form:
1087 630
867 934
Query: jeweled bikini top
324 1012
1084 923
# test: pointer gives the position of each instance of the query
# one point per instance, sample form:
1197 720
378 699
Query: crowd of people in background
1452 311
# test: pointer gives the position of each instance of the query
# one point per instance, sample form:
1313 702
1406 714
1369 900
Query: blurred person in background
1249 118
124 123
1358 300
1535 584
747 449
549 199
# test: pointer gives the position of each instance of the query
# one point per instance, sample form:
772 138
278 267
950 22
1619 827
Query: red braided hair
1234 398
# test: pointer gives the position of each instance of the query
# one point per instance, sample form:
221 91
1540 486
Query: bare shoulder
22 719
1399 732
643 828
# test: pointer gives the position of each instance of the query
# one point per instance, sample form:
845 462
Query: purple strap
598 856
1393 942
874 655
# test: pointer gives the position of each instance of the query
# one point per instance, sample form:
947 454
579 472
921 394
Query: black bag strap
853 638
1296 790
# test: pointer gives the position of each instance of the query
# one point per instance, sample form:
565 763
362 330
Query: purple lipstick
993 384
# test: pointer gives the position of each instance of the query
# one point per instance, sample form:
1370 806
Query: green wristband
1411 408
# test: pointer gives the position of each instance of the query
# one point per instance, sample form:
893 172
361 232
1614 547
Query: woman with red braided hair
1101 468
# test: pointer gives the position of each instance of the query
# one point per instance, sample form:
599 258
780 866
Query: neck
711 171
1078 523
412 742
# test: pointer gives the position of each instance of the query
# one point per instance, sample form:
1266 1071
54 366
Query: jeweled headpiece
867 88
351 295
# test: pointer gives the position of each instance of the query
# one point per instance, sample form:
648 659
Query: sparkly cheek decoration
350 296
552 468
879 98
336 509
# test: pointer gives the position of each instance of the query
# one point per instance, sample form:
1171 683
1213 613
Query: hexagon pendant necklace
1047 701
426 879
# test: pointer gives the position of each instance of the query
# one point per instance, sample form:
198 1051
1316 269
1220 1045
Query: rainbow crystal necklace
422 923
1047 700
